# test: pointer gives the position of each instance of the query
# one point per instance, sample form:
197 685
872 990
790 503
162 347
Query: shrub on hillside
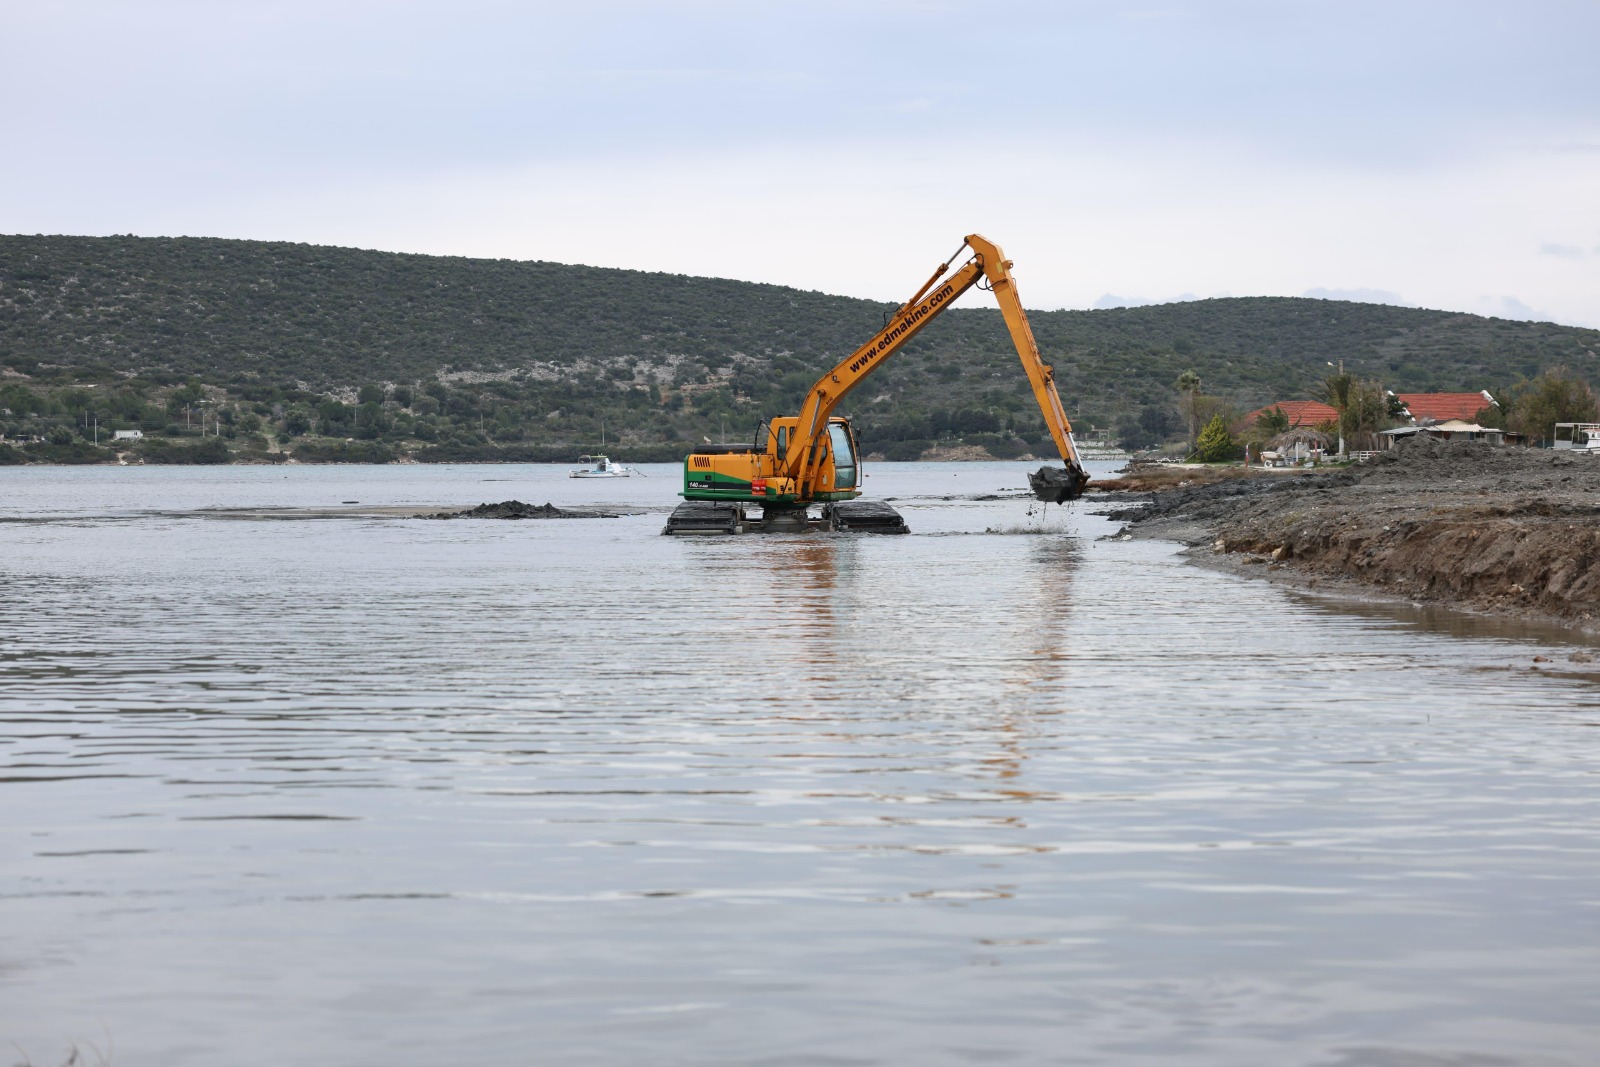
209 451
77 452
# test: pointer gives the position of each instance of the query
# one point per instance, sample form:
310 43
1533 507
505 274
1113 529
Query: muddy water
384 791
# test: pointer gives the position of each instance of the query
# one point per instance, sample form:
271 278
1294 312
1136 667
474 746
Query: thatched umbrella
1300 441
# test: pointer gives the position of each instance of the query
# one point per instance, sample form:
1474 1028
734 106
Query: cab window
844 457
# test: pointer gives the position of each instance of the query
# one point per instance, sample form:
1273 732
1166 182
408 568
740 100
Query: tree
1188 386
1557 395
1128 433
332 412
1216 443
1156 420
1335 389
1272 422
1490 416
1267 425
1207 408
1366 411
369 420
188 393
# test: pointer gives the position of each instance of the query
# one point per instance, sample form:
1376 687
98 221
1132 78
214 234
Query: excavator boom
829 390
938 293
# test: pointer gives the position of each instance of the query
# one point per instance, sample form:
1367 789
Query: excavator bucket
1057 485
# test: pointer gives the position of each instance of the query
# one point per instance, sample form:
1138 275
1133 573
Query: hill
452 353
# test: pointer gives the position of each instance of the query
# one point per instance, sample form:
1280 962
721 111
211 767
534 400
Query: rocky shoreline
1504 531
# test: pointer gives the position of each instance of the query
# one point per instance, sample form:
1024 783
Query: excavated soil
1150 478
1513 531
516 509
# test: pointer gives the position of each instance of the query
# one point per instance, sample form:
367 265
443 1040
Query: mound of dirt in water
1499 529
516 509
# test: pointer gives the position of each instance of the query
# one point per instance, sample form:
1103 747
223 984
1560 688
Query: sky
1435 153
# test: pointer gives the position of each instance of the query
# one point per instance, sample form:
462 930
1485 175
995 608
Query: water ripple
435 791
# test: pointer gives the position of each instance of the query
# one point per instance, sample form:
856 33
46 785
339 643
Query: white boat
603 468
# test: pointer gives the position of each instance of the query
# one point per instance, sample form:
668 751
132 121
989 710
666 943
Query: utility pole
1343 405
1346 405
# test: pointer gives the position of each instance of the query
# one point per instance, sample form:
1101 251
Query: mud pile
516 509
1497 529
1150 478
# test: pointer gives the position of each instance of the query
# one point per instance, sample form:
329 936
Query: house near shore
1442 416
1300 413
1448 417
1448 430
1421 408
1453 430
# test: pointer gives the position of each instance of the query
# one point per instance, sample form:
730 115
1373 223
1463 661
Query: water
394 792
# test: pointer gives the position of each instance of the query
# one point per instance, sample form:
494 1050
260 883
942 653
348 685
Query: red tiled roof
1442 406
1300 412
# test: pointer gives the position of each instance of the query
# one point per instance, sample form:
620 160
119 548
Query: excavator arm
1047 483
937 294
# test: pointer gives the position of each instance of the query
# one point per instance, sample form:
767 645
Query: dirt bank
1515 531
1153 478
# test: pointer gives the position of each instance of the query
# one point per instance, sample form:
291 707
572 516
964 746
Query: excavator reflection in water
814 458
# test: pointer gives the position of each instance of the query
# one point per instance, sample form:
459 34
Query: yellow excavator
813 458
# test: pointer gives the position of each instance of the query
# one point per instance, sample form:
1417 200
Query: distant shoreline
960 454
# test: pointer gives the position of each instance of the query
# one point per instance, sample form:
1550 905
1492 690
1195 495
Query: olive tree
1557 395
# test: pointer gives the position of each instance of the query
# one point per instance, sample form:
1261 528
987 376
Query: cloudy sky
1441 153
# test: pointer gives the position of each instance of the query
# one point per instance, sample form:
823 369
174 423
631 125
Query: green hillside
270 339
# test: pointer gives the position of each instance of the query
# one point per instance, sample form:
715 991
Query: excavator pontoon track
865 516
706 517
851 516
